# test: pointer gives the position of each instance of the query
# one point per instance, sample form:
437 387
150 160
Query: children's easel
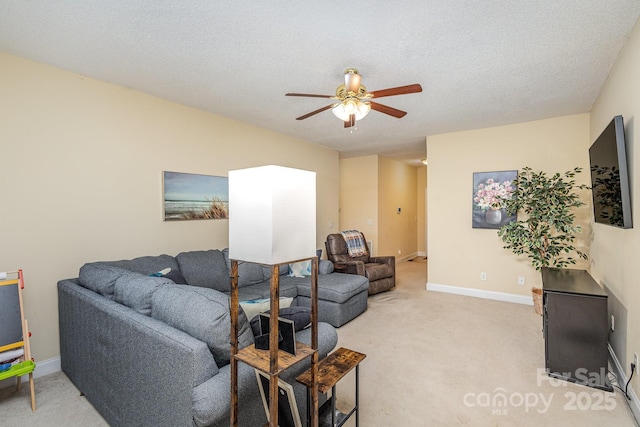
14 333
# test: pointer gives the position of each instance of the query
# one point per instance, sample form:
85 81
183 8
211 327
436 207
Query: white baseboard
43 368
479 293
406 257
47 367
634 403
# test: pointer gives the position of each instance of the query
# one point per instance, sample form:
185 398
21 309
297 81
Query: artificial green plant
545 231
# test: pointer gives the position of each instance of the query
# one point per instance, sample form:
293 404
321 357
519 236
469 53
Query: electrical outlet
613 323
635 360
399 252
520 280
483 276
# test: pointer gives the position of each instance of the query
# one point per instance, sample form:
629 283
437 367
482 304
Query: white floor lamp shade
272 214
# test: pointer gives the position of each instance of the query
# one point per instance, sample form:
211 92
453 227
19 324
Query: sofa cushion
205 269
145 264
202 313
335 287
250 273
100 277
135 290
176 277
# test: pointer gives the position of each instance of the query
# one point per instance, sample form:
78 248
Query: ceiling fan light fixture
350 106
363 109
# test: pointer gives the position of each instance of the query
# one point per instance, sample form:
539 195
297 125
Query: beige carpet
58 404
433 359
436 359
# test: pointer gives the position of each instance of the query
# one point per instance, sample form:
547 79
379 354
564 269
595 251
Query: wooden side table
332 369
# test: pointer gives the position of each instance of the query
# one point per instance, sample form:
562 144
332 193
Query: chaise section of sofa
341 297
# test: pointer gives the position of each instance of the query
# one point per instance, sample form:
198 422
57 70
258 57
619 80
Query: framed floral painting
489 188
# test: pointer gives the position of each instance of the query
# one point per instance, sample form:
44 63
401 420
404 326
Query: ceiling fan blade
388 110
308 95
400 90
350 122
313 113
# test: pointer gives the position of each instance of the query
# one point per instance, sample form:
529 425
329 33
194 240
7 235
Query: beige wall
397 187
615 252
459 253
372 188
359 197
80 178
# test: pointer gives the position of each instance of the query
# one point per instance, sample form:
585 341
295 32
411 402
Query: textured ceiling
480 63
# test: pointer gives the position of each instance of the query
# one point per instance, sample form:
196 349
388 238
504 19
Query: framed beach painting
488 190
192 196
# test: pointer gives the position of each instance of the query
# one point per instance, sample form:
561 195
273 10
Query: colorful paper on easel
8 356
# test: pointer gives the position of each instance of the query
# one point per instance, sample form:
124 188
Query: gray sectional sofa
154 351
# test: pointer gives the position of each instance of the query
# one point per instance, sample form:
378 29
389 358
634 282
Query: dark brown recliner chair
381 270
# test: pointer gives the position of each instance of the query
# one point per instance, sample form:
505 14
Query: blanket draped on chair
355 243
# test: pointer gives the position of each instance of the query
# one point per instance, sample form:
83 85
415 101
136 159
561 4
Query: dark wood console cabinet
576 327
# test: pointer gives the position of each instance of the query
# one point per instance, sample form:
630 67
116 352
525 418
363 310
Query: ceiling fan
354 102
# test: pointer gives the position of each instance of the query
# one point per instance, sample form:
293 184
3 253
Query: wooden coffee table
332 369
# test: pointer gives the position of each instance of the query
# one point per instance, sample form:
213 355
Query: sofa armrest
350 267
325 267
211 399
390 260
134 370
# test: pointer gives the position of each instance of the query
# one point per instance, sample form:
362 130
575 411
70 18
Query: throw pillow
176 277
206 269
252 307
301 317
300 269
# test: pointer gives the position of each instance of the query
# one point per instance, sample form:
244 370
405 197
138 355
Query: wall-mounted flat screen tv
610 177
